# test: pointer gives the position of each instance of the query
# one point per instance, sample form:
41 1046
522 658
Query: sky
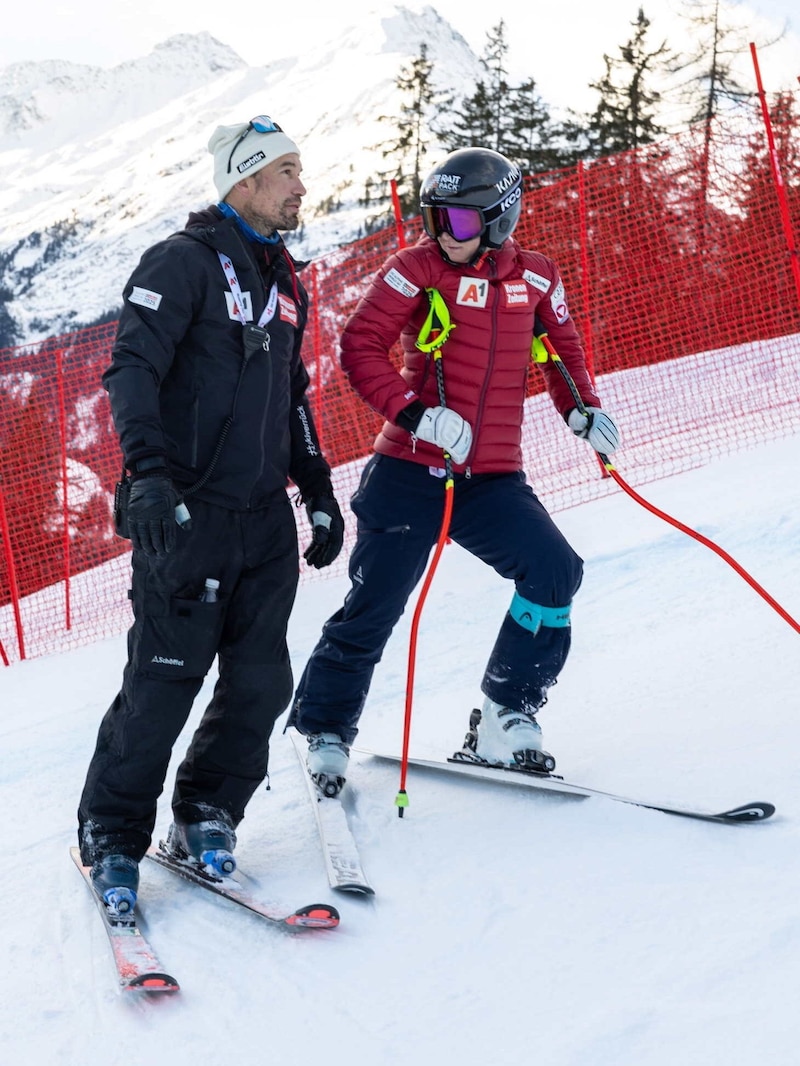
507 927
561 47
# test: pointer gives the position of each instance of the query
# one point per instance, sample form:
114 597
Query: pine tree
472 125
532 139
710 79
407 150
512 120
711 87
625 116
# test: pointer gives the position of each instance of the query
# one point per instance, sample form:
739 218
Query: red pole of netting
62 425
3 655
398 216
780 188
5 532
586 288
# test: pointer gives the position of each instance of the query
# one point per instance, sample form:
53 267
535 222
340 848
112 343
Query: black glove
327 526
151 514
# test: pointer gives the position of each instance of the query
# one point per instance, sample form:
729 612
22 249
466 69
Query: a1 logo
473 292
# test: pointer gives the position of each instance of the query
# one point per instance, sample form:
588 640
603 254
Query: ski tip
314 916
748 812
152 982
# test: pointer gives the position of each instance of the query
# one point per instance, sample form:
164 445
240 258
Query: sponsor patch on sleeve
538 281
288 309
558 301
145 298
395 280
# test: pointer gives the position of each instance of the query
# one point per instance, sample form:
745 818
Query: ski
137 965
339 848
747 812
314 916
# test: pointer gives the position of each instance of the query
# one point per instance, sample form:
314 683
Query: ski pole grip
544 341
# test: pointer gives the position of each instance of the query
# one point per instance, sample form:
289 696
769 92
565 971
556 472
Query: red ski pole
401 800
565 374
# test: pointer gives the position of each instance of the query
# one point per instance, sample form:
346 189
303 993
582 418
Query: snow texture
508 927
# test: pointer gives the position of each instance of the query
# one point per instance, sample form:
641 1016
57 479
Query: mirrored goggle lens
462 223
264 124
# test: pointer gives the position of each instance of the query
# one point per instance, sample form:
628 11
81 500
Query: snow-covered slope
507 929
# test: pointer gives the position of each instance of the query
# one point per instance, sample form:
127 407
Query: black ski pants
171 647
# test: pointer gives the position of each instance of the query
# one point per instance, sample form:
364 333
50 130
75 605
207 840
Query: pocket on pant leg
181 643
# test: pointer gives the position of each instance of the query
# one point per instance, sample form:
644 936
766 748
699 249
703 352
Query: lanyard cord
238 301
248 350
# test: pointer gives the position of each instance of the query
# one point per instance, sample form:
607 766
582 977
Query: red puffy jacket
485 360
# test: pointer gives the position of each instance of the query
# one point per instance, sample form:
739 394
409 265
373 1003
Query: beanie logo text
251 161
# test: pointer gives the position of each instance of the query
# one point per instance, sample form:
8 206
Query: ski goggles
261 124
462 223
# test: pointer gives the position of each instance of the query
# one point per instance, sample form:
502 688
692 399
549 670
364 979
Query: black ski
339 848
137 965
747 812
314 916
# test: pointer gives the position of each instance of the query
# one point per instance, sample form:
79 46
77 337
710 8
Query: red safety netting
682 274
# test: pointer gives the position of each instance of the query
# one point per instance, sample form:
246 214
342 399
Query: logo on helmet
508 180
446 183
509 200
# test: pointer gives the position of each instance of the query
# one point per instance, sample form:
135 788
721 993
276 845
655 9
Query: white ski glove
598 428
447 430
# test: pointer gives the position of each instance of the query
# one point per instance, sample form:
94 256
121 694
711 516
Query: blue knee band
533 615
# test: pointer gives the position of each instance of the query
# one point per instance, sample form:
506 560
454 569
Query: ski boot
115 879
210 842
501 736
327 760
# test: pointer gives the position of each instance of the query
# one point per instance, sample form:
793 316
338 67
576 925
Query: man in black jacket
208 394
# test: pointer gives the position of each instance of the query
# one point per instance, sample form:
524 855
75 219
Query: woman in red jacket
468 277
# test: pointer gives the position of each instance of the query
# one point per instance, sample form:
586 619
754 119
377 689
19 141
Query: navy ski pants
399 506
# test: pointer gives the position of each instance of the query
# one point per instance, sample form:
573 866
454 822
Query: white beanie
252 151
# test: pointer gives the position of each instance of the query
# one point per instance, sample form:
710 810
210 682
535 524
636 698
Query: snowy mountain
101 163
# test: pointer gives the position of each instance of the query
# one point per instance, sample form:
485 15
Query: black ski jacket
179 373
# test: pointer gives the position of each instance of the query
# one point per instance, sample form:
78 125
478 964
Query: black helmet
473 192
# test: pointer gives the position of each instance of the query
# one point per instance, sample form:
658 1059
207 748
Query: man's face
274 196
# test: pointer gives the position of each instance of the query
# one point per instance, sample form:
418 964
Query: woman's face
458 251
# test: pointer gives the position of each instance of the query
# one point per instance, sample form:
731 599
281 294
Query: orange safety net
682 275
